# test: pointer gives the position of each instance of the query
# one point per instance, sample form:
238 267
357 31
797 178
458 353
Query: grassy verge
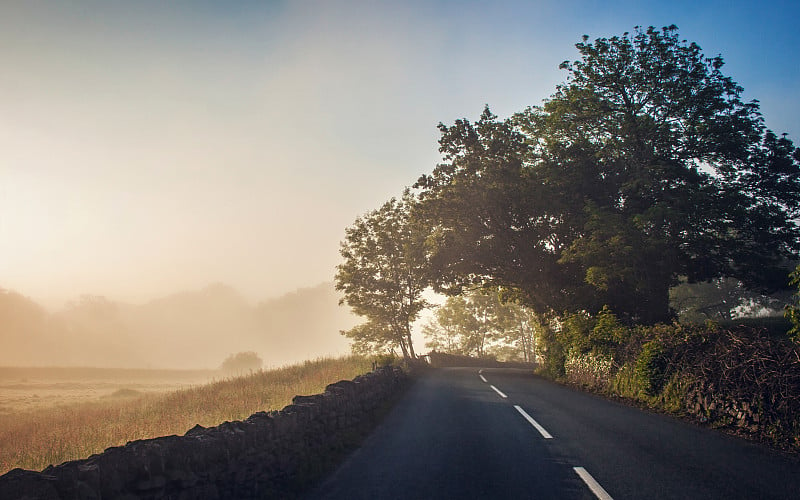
34 440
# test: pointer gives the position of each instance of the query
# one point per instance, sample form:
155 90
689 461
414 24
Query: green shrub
608 333
600 334
553 356
575 332
674 394
651 368
623 382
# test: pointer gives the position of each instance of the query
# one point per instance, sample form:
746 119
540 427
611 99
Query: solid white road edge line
498 391
483 378
534 423
593 485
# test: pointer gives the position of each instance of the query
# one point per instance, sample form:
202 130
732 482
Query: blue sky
148 147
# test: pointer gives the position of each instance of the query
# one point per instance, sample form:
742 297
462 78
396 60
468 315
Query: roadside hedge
742 378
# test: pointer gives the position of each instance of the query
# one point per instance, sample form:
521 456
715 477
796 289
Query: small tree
384 273
242 362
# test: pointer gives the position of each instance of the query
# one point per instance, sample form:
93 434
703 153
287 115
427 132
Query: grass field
48 420
24 389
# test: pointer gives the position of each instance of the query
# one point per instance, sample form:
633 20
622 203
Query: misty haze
186 330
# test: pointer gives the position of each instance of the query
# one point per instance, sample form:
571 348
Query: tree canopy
384 273
645 167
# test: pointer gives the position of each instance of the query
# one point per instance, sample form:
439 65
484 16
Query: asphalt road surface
498 433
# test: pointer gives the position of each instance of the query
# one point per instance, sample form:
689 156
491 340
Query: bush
623 382
242 362
553 356
575 333
608 333
650 368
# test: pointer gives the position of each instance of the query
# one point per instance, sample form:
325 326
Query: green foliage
583 347
608 332
371 338
575 332
496 218
384 274
650 368
553 356
480 322
623 382
741 377
643 168
673 396
600 334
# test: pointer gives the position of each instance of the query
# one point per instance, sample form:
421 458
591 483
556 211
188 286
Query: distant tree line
644 170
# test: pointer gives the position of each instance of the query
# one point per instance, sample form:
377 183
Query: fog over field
189 330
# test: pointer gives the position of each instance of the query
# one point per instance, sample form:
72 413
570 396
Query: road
500 433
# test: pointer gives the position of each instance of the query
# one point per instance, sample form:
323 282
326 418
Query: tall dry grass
34 440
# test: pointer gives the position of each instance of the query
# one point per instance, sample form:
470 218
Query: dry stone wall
263 456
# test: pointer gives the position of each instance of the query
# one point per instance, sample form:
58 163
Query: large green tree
644 167
384 274
496 220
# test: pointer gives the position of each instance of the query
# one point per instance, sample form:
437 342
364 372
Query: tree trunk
410 342
403 347
411 348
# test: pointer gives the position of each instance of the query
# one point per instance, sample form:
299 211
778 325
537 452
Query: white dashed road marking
534 423
498 391
593 485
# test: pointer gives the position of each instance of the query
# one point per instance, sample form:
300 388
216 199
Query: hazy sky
152 146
